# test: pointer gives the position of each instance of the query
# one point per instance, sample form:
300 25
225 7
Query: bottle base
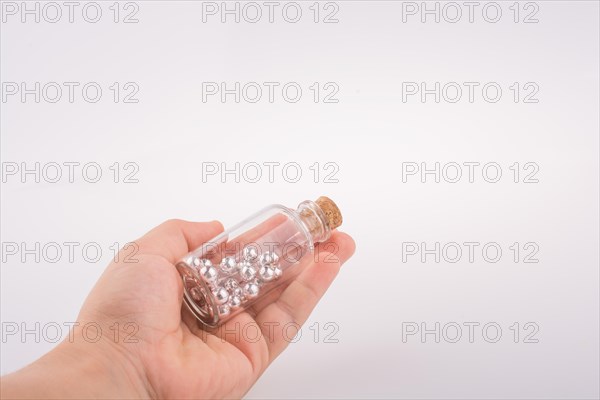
197 296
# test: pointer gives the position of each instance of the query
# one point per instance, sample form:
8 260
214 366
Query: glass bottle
237 269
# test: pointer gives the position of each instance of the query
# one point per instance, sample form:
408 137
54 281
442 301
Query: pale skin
173 357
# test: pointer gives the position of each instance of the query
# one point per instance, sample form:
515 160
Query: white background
369 133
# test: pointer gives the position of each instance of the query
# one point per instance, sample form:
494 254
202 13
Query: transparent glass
239 268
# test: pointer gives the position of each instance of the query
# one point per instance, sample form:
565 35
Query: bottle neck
315 221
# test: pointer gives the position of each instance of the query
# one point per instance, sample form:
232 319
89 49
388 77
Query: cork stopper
331 211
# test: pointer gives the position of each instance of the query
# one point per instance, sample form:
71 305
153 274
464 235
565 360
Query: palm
179 359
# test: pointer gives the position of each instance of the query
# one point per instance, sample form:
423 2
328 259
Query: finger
174 238
325 253
241 331
297 301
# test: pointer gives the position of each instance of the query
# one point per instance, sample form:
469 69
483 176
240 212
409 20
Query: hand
173 356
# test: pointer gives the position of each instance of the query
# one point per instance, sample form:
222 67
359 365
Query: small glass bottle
238 268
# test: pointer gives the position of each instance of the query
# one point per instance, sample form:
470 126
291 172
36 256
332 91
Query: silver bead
221 295
258 282
228 265
268 258
278 272
250 253
201 262
209 273
231 284
235 301
266 273
237 292
247 271
251 290
224 310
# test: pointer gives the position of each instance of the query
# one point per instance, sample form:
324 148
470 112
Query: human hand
169 355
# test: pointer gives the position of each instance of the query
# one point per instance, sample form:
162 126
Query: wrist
79 369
